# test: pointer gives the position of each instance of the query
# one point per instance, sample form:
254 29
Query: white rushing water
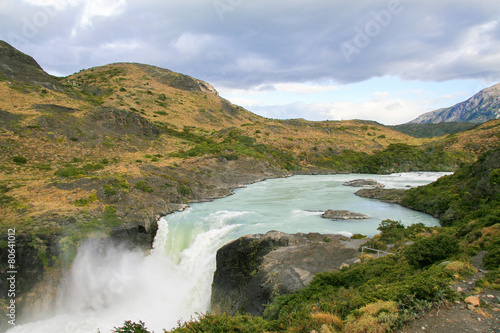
109 284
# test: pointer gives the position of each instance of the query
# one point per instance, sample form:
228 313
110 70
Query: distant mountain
483 106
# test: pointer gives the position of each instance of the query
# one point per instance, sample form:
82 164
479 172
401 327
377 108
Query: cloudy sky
387 60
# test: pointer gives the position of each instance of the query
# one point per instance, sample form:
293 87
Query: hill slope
131 137
431 130
483 106
73 147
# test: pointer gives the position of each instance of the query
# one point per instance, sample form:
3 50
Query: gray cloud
246 43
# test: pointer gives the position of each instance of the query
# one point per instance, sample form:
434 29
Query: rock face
483 106
253 269
363 183
343 215
388 195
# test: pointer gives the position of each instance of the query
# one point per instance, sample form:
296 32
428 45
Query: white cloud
287 48
104 8
298 88
58 4
90 8
246 102
304 88
250 63
190 45
382 108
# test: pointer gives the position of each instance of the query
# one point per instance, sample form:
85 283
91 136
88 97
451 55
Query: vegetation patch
143 186
19 160
70 172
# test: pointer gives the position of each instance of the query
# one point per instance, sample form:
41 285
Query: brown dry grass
203 112
329 319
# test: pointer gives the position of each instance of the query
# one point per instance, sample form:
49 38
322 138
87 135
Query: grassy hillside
121 120
68 144
112 122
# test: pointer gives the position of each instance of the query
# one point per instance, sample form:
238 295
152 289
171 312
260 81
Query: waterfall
110 283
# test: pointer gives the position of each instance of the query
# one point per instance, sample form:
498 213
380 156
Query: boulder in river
363 183
390 195
343 215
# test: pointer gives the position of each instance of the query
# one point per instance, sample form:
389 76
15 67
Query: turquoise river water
109 284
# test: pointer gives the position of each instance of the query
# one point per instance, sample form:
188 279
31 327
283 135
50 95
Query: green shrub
491 280
109 190
131 327
43 166
70 172
120 183
376 244
427 251
392 231
93 167
143 186
358 236
376 317
494 177
111 218
85 201
223 323
6 200
492 258
185 190
19 160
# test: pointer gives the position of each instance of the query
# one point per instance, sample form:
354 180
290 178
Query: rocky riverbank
43 258
253 269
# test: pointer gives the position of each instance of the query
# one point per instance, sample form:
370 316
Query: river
109 284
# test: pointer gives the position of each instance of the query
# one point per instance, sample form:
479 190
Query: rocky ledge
343 215
253 269
387 195
363 183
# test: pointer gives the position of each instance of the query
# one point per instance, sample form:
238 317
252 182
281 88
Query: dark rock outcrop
253 269
363 183
343 215
391 195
